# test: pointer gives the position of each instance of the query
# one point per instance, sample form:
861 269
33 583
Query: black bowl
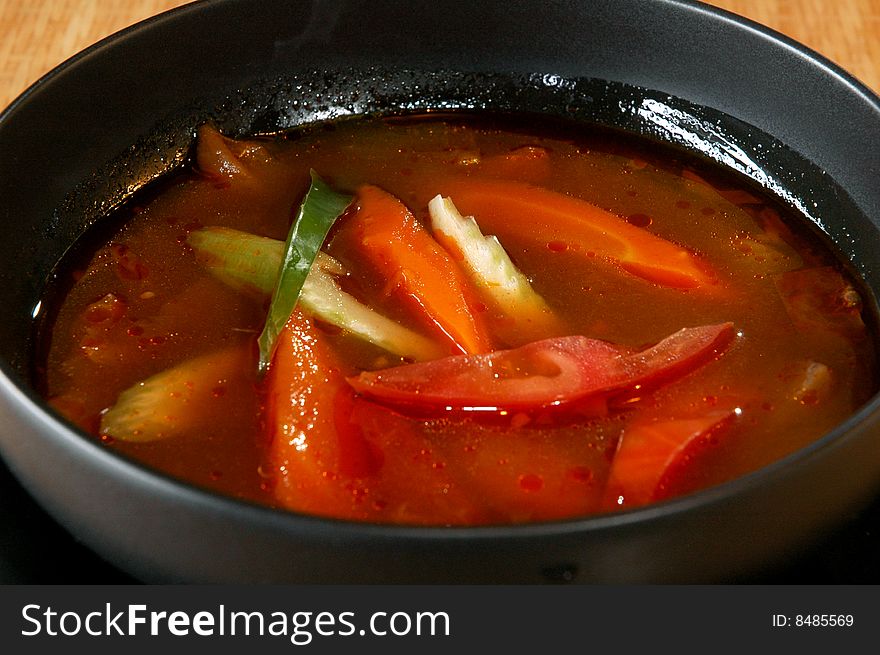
108 121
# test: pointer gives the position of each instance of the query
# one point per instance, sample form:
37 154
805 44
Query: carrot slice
333 455
414 268
504 207
647 450
302 388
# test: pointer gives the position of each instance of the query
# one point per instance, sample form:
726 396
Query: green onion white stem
488 266
248 261
173 402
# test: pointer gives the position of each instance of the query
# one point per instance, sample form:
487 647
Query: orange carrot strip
415 268
334 455
302 389
506 207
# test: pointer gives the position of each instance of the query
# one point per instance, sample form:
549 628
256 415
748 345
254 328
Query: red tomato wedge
547 372
413 268
648 450
504 207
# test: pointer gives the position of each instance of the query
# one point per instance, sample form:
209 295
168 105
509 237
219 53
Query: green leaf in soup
317 213
243 261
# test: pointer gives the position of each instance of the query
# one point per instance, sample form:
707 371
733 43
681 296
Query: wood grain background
36 35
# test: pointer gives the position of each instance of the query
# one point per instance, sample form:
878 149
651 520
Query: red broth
668 243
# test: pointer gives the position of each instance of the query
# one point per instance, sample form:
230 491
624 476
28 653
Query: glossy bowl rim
35 407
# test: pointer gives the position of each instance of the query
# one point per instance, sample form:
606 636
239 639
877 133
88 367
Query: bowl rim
803 51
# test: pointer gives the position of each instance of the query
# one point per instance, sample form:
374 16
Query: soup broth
669 327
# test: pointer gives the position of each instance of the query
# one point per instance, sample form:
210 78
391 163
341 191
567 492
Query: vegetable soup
454 319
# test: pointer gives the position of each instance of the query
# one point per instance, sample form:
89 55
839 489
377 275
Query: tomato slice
648 450
543 373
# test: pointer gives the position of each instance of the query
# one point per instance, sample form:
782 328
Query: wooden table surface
39 34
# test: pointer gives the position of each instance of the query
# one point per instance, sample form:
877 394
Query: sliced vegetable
334 455
243 261
495 277
322 297
508 207
317 213
302 388
821 300
223 158
648 450
548 372
403 258
246 261
175 401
